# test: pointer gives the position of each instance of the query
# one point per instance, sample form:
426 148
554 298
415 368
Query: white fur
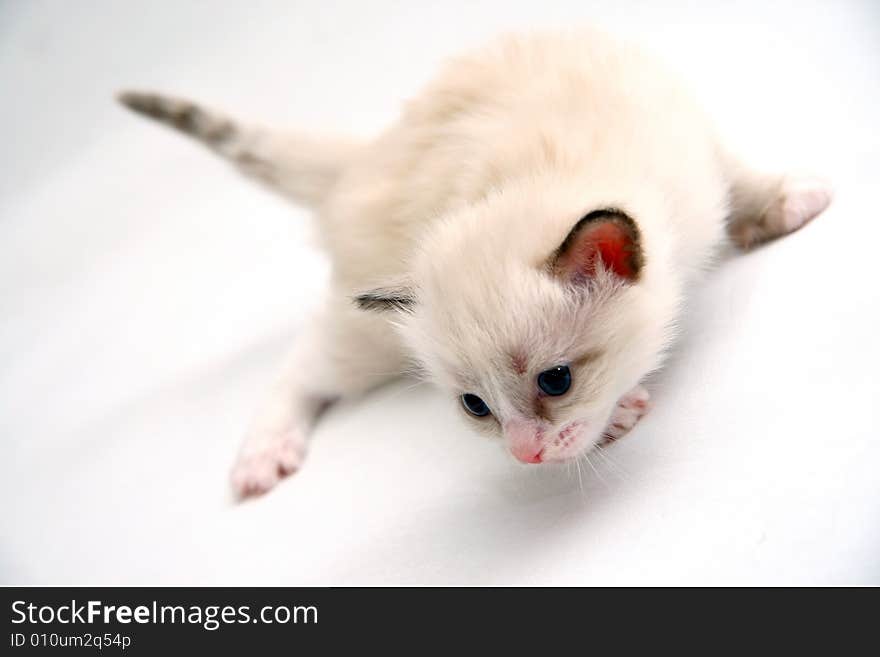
461 203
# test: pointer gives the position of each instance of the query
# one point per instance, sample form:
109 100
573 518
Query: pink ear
606 239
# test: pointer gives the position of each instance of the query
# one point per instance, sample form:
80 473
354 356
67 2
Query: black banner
153 621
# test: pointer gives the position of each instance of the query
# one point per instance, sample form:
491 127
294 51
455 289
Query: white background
147 294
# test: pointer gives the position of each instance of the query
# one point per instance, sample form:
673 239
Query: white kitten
524 233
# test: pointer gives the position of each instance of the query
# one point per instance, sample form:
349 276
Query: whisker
616 469
593 467
580 480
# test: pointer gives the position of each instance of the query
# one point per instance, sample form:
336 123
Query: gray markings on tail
215 130
301 167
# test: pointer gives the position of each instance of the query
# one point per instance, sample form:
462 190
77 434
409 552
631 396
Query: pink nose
524 440
526 458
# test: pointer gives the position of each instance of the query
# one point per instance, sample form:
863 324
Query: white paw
265 459
802 199
799 201
630 409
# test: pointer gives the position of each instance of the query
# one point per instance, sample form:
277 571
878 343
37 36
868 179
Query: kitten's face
535 350
537 362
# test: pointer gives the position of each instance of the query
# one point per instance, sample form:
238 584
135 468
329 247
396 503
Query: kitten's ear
398 298
606 239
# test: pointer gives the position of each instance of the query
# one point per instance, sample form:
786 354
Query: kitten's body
456 215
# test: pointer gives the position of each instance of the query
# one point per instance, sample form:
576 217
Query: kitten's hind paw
799 201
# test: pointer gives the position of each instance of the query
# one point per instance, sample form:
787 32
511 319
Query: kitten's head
535 327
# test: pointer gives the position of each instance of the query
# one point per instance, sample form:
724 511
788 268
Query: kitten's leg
342 354
763 207
630 409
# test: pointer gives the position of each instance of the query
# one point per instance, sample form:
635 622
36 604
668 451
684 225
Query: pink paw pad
803 200
630 409
265 459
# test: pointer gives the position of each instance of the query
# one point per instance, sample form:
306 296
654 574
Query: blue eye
555 381
474 405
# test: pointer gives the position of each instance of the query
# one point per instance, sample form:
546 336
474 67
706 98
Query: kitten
524 233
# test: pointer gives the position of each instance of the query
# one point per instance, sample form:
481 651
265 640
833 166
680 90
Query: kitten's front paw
265 458
630 409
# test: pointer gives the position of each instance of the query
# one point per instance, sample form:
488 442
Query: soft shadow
500 533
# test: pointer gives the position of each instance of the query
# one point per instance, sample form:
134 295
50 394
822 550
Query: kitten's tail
300 167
